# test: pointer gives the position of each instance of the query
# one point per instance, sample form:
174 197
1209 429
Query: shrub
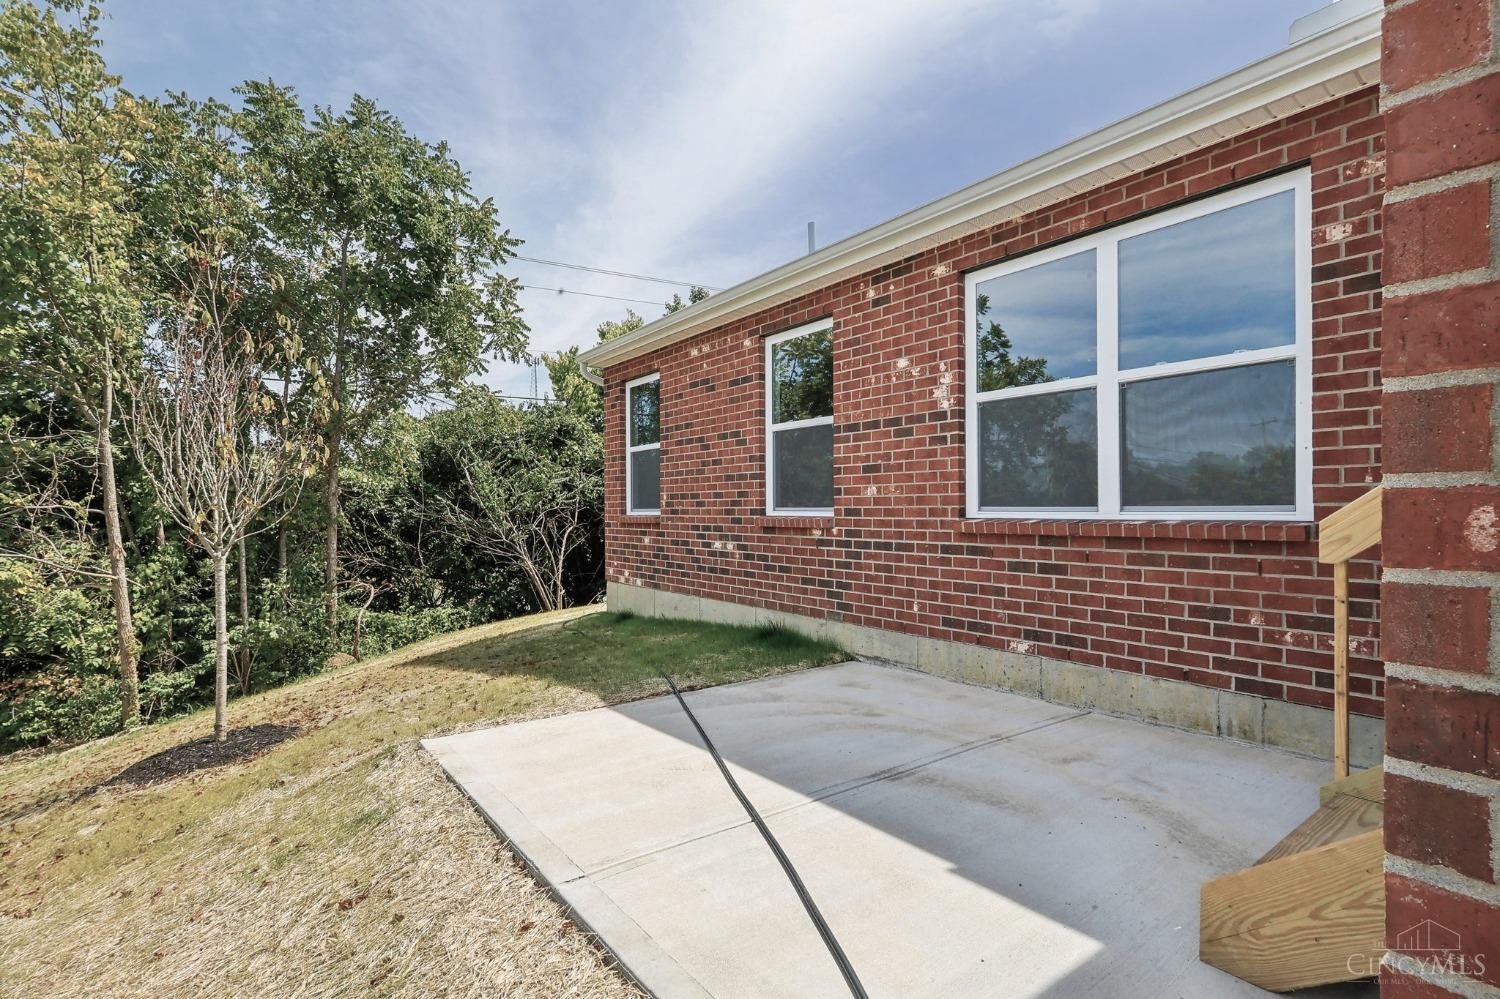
54 707
386 630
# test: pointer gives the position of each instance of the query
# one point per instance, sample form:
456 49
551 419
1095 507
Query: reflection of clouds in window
1225 341
1046 313
1212 285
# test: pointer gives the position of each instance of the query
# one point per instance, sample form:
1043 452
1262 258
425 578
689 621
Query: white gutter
1323 66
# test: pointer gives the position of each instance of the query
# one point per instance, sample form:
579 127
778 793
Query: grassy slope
340 862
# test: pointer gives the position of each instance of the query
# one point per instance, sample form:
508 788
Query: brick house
873 493
1068 431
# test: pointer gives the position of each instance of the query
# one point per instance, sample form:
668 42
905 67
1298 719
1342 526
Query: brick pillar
1441 556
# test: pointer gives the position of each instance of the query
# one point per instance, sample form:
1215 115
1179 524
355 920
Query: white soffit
1317 69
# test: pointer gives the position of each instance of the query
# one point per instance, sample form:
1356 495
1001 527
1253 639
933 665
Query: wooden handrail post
1342 535
1340 669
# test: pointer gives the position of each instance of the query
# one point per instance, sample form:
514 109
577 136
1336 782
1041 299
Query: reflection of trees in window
802 377
645 413
1224 437
997 369
1035 451
1265 475
1040 451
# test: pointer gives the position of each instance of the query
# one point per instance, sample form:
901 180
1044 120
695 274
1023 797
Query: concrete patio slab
959 840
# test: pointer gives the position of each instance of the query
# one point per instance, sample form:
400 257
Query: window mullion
1108 352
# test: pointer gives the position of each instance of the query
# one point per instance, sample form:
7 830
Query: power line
444 402
623 274
429 397
588 294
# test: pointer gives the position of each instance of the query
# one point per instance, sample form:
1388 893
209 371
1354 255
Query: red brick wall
1441 67
1240 606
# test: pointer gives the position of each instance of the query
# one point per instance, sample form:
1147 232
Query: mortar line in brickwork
1456 780
1444 878
1389 100
1437 185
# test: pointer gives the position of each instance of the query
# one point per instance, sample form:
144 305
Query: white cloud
750 98
681 137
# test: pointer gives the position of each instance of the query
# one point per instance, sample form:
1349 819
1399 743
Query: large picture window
1158 370
799 421
643 445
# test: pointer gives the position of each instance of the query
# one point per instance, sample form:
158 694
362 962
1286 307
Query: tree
399 296
69 313
998 368
220 451
695 295
526 486
220 446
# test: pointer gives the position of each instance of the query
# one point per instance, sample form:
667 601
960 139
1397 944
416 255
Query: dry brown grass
340 862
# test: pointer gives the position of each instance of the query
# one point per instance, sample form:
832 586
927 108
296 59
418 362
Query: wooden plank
1339 819
1349 531
1367 784
1340 670
1299 921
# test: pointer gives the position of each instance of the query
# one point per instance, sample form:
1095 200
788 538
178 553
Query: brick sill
639 520
1192 530
791 523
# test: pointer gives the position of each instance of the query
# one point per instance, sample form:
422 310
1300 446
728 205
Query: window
799 421
643 445
1160 369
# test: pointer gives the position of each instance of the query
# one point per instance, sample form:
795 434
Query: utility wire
623 274
429 397
588 294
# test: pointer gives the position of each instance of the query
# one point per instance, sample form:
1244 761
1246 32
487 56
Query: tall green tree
70 318
401 295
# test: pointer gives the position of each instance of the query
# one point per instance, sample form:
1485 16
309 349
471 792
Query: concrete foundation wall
1225 713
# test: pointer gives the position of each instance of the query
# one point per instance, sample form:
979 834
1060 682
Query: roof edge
1317 60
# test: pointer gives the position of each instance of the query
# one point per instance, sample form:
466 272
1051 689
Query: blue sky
695 140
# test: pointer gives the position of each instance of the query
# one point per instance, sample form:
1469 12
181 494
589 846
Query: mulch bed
241 744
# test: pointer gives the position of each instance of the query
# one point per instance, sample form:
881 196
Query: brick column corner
1440 70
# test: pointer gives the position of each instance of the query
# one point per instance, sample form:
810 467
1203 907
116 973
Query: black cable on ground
829 941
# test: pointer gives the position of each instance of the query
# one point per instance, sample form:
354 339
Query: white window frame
771 428
1108 378
631 447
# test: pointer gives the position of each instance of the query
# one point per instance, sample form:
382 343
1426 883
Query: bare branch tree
368 571
530 507
49 518
220 450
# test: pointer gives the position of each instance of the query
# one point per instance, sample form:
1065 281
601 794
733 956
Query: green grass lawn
340 861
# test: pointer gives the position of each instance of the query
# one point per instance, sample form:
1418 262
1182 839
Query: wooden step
1368 784
1341 817
1300 920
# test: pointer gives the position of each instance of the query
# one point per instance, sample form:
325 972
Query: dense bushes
410 572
